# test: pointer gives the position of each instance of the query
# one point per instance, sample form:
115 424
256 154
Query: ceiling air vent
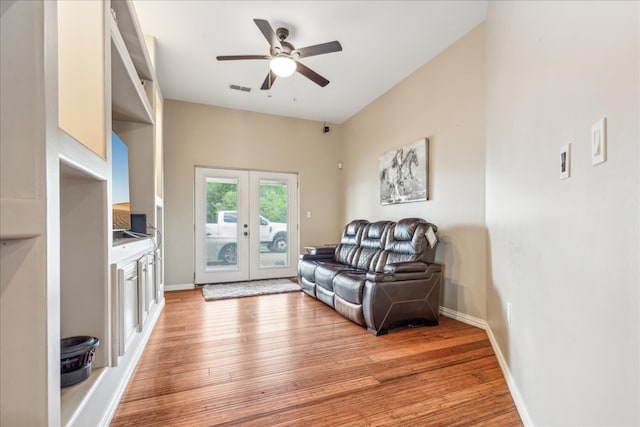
242 88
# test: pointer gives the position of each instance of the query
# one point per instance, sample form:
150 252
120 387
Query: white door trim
251 263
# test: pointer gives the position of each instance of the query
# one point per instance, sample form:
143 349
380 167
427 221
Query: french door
246 225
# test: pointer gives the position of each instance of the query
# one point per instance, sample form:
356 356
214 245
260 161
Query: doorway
246 225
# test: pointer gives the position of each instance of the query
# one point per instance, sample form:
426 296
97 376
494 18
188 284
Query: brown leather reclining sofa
381 275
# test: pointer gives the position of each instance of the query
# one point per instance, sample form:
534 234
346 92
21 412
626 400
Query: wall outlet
509 312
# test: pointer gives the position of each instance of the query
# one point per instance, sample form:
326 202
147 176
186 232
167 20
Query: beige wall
81 76
443 101
565 253
196 134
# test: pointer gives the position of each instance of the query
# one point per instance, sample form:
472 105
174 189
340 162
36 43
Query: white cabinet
143 294
128 279
150 294
134 298
158 282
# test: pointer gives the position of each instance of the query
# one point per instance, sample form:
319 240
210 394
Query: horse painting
403 174
391 176
409 162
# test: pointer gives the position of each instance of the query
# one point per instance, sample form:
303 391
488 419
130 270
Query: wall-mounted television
121 208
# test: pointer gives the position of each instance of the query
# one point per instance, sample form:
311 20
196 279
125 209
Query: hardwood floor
289 360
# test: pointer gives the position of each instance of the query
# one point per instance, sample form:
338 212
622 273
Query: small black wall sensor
326 128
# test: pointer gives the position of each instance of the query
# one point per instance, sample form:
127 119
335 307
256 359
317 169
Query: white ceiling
383 42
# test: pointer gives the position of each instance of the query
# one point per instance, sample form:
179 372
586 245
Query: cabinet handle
132 278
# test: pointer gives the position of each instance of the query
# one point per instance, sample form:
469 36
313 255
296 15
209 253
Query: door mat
248 289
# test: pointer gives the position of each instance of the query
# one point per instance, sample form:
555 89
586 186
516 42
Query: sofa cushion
349 286
325 274
307 269
307 286
353 312
325 296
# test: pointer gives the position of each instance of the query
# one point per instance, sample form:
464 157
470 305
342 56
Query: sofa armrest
391 302
321 250
316 257
318 253
406 267
400 271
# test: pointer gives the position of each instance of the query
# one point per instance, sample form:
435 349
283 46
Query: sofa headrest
375 234
408 236
406 228
352 234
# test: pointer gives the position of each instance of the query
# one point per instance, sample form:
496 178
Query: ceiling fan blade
311 75
319 49
269 34
268 82
235 57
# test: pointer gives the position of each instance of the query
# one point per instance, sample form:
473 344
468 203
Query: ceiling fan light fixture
282 66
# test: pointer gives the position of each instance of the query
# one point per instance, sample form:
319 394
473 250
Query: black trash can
76 355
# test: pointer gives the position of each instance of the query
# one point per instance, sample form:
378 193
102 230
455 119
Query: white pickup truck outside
222 236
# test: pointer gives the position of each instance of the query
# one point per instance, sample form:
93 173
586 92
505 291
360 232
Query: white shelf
73 397
133 38
129 100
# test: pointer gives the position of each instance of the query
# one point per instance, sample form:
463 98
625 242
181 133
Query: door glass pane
274 209
222 223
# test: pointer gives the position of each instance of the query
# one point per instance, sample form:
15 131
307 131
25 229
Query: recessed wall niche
83 249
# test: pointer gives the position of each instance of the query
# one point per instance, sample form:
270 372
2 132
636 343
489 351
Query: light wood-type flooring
289 360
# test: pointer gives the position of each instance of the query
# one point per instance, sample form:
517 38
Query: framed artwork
404 174
565 161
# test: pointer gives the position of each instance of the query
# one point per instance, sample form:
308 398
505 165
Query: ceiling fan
284 56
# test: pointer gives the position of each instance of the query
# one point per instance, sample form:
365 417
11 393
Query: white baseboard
513 388
464 318
511 384
179 287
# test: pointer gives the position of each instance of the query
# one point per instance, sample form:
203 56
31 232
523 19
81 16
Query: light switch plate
599 141
565 161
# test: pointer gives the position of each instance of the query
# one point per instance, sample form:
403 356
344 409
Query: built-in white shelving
128 97
133 38
58 256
